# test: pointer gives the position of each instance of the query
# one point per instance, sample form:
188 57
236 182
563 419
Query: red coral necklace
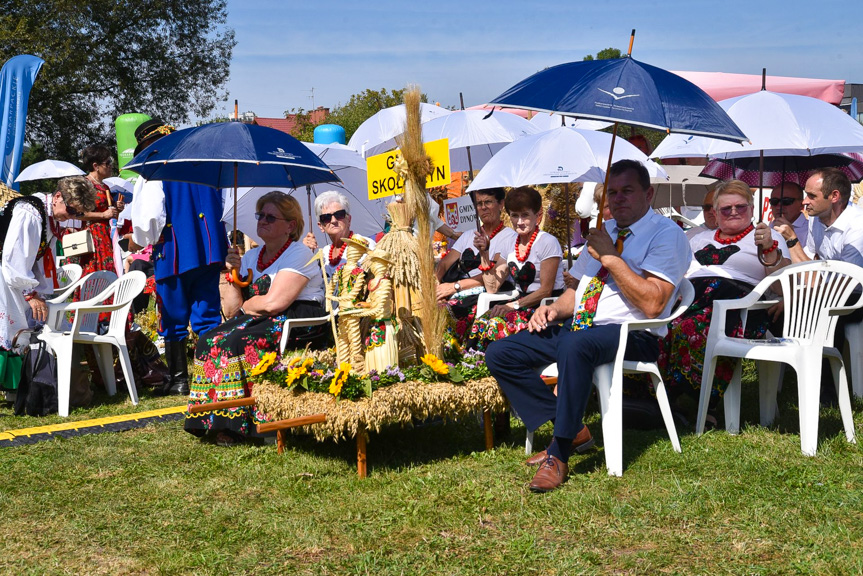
336 257
496 230
529 246
735 239
264 265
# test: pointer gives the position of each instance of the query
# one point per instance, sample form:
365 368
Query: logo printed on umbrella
280 153
618 93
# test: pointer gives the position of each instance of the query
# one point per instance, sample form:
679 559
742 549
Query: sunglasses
71 210
784 201
740 208
268 218
327 218
706 207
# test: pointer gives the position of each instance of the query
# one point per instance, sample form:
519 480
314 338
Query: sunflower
264 364
296 370
339 379
436 364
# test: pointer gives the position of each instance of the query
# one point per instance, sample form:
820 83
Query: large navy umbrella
623 91
231 154
226 154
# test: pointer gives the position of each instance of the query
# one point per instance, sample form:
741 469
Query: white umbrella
367 216
377 134
546 121
474 136
777 125
558 156
48 169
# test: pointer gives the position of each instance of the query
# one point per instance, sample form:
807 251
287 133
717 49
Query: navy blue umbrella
226 154
623 91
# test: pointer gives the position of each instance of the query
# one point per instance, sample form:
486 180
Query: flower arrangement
313 372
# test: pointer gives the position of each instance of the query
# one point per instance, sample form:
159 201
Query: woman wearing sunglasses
728 262
285 284
28 228
334 219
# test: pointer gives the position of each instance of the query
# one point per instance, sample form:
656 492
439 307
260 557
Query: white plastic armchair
67 275
486 299
608 379
90 285
84 330
814 293
292 323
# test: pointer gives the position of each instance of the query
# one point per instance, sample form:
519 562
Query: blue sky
286 48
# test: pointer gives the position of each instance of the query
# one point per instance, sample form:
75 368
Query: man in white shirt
639 283
786 201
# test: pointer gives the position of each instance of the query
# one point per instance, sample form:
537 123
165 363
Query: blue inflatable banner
16 80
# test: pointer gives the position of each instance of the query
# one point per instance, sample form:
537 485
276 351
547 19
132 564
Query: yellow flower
296 370
339 378
436 364
264 364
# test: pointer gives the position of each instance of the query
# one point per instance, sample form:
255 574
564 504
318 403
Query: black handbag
37 390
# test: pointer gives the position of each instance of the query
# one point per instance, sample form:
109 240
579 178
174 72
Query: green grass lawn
157 501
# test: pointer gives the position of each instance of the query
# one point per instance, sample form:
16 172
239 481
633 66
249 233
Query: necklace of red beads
735 239
264 265
336 257
496 230
529 246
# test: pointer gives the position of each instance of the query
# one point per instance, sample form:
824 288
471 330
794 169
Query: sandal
227 439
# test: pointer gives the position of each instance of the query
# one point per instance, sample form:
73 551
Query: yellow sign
383 181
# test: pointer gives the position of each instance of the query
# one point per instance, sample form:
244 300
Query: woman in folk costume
333 211
29 225
286 283
99 163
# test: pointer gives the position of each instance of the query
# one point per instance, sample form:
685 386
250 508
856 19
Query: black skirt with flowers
223 359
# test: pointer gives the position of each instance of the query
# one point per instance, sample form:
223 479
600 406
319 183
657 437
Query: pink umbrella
778 169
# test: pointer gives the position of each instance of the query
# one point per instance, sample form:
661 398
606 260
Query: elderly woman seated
728 263
284 285
460 270
333 211
532 263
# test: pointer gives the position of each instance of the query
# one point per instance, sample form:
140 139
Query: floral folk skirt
224 357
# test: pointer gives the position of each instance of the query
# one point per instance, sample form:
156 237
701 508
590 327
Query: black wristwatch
793 242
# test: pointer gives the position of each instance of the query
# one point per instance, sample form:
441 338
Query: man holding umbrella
632 277
183 222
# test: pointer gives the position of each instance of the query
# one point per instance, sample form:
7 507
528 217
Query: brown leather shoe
581 444
551 474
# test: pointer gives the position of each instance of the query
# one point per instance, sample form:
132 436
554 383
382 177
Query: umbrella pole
235 276
568 226
309 204
470 169
607 170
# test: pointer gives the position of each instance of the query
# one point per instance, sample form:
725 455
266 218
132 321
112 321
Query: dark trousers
514 361
192 296
142 300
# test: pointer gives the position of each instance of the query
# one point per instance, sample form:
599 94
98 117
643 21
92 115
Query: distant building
289 123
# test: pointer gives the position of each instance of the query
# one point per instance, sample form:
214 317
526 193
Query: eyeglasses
327 218
740 208
70 210
486 203
706 207
268 218
784 201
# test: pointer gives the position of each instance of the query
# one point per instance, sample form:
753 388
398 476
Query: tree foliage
606 54
359 108
103 58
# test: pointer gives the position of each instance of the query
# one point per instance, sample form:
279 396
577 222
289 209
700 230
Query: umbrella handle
235 276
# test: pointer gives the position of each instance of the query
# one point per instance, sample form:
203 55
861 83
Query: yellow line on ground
12 434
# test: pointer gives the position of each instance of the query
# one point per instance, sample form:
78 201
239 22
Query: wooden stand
280 427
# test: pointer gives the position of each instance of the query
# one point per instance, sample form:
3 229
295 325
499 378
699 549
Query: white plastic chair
854 358
85 330
90 285
487 298
292 323
67 275
814 294
608 379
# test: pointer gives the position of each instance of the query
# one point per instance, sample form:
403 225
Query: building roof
284 124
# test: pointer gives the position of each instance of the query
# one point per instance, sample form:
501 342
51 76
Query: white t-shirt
742 264
502 243
545 246
656 245
293 259
842 240
331 268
